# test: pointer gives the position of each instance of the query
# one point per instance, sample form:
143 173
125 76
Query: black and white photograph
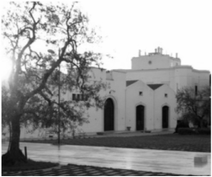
106 88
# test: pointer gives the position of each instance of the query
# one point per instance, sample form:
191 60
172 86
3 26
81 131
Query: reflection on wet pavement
177 162
201 161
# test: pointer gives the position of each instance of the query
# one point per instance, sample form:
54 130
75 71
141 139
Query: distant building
143 97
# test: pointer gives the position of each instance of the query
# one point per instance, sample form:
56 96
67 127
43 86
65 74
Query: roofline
93 67
166 55
113 70
172 68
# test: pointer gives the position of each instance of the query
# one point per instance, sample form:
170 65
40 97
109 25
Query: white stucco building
143 97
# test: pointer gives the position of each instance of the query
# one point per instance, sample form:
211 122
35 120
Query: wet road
177 162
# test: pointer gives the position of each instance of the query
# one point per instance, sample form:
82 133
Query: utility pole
58 114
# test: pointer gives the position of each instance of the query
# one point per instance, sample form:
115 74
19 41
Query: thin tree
194 105
38 38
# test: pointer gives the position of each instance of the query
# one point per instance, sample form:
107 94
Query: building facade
143 97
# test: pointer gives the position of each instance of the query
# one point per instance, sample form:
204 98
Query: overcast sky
178 26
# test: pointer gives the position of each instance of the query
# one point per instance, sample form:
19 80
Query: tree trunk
200 122
10 133
14 154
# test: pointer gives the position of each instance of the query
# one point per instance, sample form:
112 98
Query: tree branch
30 41
28 111
50 102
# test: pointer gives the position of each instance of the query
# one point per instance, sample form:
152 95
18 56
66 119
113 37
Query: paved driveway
194 163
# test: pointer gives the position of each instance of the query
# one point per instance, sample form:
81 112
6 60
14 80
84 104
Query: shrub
100 133
187 131
194 131
181 124
204 131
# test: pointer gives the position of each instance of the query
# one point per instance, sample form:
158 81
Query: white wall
97 74
150 76
118 85
153 100
176 77
154 61
134 99
94 117
116 92
159 101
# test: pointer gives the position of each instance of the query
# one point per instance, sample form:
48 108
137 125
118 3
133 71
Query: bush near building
194 131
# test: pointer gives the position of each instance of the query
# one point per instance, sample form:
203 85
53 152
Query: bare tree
194 106
38 38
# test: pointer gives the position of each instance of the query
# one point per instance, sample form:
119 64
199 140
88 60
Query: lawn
198 143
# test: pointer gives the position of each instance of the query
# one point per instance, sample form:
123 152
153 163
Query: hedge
194 131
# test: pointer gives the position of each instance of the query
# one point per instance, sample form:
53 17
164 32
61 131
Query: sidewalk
139 160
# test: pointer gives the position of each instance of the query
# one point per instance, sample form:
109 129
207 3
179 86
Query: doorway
109 115
140 117
165 117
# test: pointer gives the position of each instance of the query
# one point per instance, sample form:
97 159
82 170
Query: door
109 115
140 117
165 117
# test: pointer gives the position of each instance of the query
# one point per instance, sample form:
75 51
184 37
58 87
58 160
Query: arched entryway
140 117
165 117
109 115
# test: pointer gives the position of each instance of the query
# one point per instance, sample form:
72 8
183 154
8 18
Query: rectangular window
78 97
86 97
73 96
82 97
